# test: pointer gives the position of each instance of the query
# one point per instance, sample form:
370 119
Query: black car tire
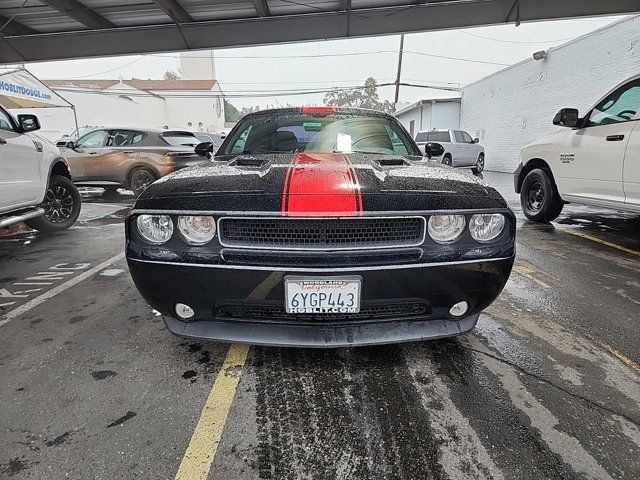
61 205
140 178
539 197
479 164
446 160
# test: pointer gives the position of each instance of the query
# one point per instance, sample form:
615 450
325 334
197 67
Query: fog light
184 311
459 309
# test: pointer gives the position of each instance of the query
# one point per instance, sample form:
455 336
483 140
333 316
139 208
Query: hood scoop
247 162
393 162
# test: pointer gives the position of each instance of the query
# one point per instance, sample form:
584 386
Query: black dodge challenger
319 227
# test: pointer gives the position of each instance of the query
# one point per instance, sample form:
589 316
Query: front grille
321 233
380 310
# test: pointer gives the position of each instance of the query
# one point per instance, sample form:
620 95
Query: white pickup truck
594 160
35 183
460 150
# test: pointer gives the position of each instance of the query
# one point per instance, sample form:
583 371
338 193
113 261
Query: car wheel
61 206
479 164
140 179
446 160
539 197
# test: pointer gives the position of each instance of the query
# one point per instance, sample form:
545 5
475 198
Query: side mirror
433 149
476 140
28 122
567 117
204 149
70 144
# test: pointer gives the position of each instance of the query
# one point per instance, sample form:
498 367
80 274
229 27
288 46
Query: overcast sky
376 57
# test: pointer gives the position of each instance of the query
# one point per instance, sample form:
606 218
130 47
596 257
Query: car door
460 150
631 169
19 166
592 157
84 158
119 154
472 150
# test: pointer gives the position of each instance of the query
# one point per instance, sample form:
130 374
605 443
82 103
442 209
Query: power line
108 71
514 41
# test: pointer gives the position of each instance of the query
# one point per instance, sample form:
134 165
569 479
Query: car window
399 147
94 139
466 137
459 136
123 138
240 141
438 136
422 137
180 139
5 122
320 133
620 106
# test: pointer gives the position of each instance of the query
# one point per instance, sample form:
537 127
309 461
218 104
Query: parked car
460 150
320 227
593 160
35 184
129 158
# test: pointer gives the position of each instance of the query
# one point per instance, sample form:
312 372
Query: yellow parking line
623 358
602 242
198 458
526 272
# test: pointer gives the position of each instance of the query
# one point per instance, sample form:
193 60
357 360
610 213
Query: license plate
322 294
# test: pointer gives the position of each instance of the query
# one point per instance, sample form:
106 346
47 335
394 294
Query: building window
412 125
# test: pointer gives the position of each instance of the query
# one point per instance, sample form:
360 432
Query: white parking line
7 317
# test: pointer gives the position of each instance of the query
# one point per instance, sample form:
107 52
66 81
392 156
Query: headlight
197 229
155 229
446 228
486 227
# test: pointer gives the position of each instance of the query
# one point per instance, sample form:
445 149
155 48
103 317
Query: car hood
317 183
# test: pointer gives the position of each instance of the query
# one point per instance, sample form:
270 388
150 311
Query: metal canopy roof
57 29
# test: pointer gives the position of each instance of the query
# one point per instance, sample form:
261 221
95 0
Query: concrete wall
513 107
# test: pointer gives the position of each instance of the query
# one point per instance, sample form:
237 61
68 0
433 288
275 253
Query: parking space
546 386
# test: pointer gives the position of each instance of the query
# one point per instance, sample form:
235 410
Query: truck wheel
140 178
539 198
61 206
446 160
479 165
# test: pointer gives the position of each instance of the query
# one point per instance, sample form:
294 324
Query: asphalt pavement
92 386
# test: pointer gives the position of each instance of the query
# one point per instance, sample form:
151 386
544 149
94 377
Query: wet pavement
546 386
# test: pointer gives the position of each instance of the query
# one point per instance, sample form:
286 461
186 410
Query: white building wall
206 108
446 115
432 115
406 118
515 106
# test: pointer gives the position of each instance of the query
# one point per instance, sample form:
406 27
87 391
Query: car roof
431 130
141 129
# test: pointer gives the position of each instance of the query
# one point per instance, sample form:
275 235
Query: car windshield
180 139
319 133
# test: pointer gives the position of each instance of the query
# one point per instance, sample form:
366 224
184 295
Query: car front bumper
246 305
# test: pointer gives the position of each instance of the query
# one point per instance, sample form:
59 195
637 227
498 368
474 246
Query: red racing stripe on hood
321 184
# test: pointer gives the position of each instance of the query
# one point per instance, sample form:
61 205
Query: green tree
364 97
171 75
231 113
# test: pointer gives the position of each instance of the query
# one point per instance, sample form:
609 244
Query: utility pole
399 70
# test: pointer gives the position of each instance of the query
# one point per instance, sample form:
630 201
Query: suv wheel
539 198
479 164
446 160
61 206
140 179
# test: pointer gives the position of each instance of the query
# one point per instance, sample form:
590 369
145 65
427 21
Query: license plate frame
332 303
